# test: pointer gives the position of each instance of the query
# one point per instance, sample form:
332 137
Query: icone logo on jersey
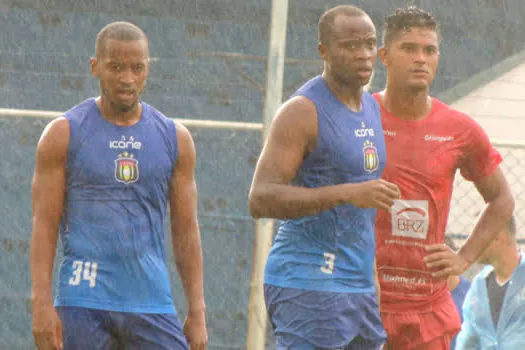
371 159
364 131
124 143
410 218
126 168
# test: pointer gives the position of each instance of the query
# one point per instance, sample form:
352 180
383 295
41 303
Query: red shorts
441 343
430 330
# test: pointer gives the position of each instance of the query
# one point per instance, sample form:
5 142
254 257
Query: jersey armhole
174 143
318 121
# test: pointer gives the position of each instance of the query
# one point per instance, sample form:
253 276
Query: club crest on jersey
126 168
371 159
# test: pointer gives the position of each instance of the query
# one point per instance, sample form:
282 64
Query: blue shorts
311 320
110 330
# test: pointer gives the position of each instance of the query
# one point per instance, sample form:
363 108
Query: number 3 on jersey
90 273
329 260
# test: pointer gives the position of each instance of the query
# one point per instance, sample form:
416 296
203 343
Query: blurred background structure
209 62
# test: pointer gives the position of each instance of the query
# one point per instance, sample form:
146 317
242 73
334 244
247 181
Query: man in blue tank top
104 175
320 172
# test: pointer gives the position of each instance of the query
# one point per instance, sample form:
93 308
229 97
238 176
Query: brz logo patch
410 218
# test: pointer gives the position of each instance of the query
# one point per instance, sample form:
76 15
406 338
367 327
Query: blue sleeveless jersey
112 230
334 250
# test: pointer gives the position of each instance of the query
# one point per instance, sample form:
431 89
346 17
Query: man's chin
364 82
418 85
126 107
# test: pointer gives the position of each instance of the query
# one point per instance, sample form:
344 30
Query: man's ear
322 50
383 56
94 66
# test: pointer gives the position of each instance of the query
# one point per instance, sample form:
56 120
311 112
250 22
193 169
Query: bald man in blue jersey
105 173
320 172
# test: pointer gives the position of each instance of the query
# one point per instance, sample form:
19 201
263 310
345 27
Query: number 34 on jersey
84 271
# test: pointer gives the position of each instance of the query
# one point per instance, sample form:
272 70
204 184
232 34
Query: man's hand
195 330
378 194
444 261
47 328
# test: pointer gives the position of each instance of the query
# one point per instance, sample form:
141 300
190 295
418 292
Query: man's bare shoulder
184 137
298 112
185 144
53 145
56 132
299 105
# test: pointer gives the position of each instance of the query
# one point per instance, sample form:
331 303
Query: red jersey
422 159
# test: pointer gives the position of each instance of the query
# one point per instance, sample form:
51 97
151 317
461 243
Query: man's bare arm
497 212
186 239
292 137
499 208
48 190
185 232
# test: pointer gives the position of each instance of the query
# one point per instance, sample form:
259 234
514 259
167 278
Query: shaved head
122 31
326 22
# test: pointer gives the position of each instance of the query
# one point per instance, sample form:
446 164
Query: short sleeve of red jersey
479 158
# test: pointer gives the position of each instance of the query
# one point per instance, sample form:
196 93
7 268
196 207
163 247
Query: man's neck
505 265
119 118
407 104
350 96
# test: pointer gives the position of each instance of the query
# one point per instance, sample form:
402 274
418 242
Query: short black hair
404 19
121 30
326 22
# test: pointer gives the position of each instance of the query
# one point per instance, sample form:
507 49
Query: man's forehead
122 45
115 56
357 26
417 34
123 59
128 49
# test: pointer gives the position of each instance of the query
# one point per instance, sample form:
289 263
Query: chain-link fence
467 202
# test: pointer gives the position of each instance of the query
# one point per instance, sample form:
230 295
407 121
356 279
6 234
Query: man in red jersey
427 141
